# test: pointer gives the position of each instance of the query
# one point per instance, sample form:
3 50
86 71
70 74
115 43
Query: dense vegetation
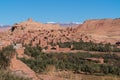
75 62
90 46
5 56
32 51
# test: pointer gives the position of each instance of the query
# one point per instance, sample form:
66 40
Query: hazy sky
12 11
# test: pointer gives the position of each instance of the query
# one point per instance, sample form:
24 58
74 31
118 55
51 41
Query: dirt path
75 51
21 69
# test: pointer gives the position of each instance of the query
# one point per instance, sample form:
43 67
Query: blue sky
12 11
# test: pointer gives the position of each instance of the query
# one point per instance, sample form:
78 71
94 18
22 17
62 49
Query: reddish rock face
43 37
100 26
34 33
104 30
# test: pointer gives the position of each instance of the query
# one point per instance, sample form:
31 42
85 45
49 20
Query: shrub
5 56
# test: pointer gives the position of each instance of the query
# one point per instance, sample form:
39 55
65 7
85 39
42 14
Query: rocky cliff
102 29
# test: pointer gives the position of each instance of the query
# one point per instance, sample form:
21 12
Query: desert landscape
59 40
29 41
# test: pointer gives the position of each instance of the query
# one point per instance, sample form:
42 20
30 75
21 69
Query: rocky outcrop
46 37
30 32
31 25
